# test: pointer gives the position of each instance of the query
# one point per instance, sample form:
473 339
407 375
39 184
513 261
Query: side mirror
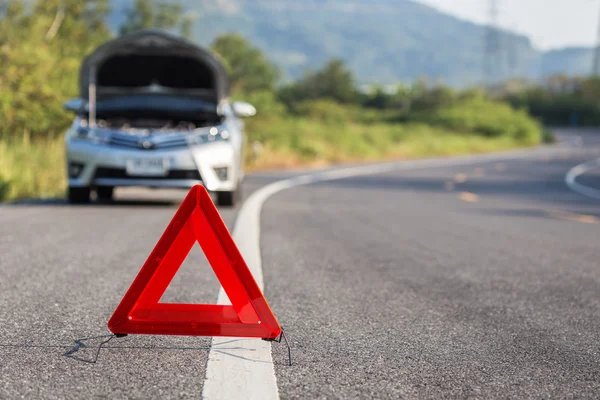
243 110
75 105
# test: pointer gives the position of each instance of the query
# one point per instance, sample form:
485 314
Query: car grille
154 143
120 173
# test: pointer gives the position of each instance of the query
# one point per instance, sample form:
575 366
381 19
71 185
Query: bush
487 118
324 111
322 132
434 99
561 101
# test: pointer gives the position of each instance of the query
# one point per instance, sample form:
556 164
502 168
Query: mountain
382 41
570 61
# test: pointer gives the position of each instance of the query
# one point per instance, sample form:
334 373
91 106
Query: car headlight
213 135
93 135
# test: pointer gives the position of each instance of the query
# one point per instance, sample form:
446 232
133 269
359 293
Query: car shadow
138 198
61 202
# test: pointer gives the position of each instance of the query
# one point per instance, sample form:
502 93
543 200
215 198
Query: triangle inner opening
194 283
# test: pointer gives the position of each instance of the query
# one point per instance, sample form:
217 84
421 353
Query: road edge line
571 176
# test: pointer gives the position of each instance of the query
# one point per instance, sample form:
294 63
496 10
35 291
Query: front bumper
103 165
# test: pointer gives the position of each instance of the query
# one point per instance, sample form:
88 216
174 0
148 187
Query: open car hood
153 63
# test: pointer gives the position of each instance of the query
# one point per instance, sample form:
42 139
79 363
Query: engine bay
150 124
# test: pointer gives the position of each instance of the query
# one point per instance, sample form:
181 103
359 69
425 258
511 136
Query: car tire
105 192
79 195
227 199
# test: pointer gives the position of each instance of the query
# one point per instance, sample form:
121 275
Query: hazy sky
548 23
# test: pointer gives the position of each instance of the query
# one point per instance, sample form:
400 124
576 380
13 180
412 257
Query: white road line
248 371
570 179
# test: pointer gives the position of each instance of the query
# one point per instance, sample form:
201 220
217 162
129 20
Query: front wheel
105 192
79 195
229 199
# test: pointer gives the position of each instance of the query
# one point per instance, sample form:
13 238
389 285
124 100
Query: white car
154 112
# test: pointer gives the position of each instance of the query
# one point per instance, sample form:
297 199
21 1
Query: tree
42 44
187 25
335 82
161 14
247 66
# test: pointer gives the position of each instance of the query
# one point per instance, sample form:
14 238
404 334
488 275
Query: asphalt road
475 281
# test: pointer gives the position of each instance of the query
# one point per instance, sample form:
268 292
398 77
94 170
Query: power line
492 44
596 65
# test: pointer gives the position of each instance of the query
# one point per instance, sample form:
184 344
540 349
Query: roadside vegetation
31 168
559 100
319 119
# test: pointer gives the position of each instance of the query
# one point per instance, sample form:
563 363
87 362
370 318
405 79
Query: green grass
297 141
32 168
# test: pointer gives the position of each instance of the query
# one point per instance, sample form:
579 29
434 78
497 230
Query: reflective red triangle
196 220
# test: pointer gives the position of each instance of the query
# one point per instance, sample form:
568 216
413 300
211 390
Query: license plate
147 167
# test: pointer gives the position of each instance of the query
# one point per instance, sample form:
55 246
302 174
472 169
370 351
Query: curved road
477 280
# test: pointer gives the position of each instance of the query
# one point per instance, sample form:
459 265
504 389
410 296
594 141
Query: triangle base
193 329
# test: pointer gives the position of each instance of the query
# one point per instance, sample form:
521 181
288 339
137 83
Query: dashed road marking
582 218
460 178
468 197
500 167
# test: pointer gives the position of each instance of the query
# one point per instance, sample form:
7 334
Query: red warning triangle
196 220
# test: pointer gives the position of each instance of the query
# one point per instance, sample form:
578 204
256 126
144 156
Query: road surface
473 280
